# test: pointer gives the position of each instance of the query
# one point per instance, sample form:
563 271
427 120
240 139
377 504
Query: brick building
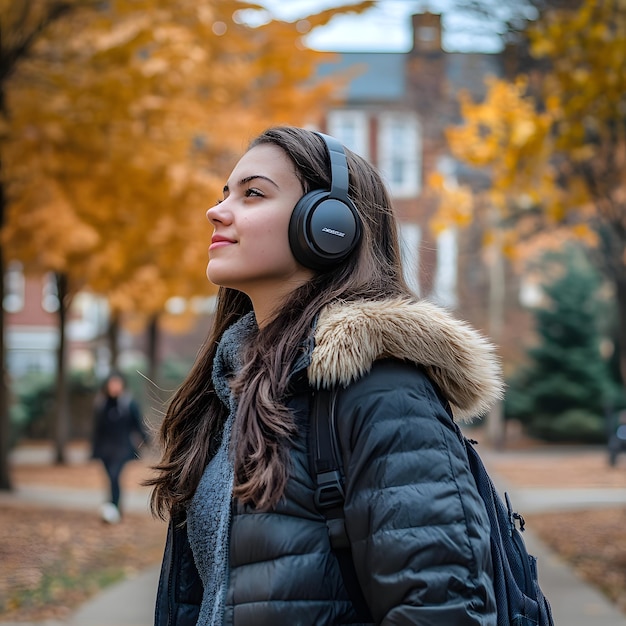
394 110
31 307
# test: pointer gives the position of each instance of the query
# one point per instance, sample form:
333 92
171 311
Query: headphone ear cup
323 231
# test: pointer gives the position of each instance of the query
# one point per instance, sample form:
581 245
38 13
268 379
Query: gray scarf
209 513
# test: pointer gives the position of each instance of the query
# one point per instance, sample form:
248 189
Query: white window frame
49 294
14 288
446 273
410 236
351 128
400 146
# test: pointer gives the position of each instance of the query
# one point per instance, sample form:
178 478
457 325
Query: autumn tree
586 50
510 139
499 137
127 119
22 25
557 153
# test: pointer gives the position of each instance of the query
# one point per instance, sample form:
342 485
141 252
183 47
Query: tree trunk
5 419
113 332
153 395
495 419
62 424
620 293
153 348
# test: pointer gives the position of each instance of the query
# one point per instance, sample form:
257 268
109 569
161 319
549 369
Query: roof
468 71
379 76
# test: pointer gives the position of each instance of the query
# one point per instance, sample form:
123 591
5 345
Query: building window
50 294
445 286
13 300
351 128
399 153
410 236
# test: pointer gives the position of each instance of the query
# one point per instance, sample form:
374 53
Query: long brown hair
263 425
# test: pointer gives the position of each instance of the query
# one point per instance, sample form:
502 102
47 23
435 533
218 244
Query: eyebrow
247 179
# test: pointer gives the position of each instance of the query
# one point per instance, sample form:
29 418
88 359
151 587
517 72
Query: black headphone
325 226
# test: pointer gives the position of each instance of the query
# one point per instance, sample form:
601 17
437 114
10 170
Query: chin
213 272
221 279
212 278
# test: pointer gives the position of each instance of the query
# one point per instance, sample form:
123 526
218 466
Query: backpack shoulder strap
327 465
327 468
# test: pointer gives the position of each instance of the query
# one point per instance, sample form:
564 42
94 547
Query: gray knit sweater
208 515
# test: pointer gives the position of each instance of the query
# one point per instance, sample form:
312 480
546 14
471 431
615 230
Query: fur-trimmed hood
350 336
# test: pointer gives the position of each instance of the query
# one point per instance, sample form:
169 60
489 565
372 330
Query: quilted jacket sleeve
417 526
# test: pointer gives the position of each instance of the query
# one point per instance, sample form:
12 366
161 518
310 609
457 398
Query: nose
218 213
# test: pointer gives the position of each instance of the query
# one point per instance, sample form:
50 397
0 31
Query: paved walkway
574 603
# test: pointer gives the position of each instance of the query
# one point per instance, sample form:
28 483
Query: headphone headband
339 183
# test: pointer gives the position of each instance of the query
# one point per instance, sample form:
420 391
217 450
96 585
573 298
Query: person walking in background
118 431
312 296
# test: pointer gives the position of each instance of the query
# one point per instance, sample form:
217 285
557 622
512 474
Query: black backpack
519 599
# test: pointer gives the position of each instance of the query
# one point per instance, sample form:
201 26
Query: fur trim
351 336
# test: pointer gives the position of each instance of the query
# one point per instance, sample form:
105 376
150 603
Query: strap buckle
329 492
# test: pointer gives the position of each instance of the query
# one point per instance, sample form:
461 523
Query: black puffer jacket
118 429
418 530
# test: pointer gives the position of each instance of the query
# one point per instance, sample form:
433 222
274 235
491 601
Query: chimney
426 33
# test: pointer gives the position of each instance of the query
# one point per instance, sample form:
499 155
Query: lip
219 241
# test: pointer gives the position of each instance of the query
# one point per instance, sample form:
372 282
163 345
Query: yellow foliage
584 233
455 207
123 124
587 54
436 180
506 134
567 157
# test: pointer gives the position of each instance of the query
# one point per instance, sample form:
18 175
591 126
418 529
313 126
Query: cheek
273 237
275 253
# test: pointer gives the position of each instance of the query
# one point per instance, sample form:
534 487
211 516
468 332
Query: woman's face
250 246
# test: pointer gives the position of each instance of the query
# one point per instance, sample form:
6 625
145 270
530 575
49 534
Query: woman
118 431
299 310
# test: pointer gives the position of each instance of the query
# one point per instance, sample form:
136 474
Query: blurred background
498 126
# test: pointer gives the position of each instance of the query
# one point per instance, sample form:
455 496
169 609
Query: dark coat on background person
118 429
418 530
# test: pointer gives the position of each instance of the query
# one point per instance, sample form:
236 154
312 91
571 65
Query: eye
218 201
252 192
